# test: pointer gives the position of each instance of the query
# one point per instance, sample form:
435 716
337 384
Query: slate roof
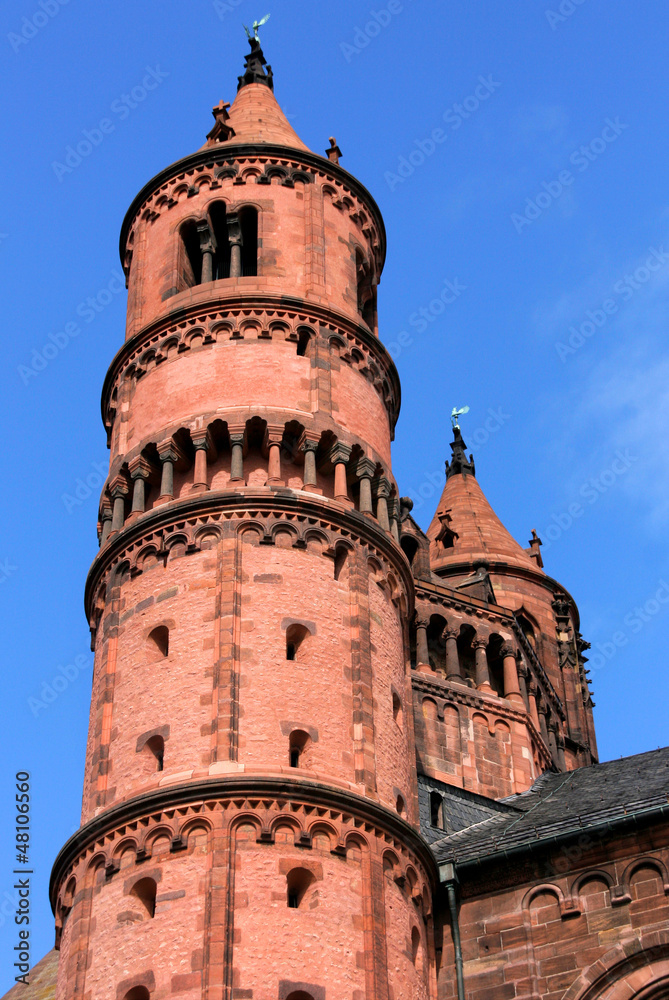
558 806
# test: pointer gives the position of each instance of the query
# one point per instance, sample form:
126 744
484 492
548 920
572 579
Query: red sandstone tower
250 816
330 756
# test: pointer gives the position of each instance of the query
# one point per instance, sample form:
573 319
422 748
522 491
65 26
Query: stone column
543 725
203 446
339 456
480 645
106 518
511 686
365 470
309 477
207 251
522 682
453 667
382 494
562 764
237 456
140 470
422 652
552 743
169 455
532 703
119 490
394 515
273 440
235 240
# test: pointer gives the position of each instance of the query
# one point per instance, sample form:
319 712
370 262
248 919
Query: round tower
250 820
465 536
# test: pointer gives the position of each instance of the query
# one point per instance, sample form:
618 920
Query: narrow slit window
436 810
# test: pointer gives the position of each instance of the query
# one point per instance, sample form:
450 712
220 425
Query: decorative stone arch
143 556
199 334
321 826
300 835
156 833
391 864
208 533
246 818
127 843
645 862
194 825
251 528
545 887
637 968
592 875
179 538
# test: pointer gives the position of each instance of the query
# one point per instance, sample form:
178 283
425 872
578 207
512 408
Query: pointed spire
255 68
459 464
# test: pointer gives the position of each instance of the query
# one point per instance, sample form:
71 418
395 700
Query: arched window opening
295 638
409 547
298 743
158 644
416 949
436 810
466 654
496 664
156 746
191 263
219 228
436 643
303 338
527 629
340 562
299 995
365 291
145 892
248 219
400 806
138 993
397 709
298 881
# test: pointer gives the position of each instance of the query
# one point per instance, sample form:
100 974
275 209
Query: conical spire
255 116
465 529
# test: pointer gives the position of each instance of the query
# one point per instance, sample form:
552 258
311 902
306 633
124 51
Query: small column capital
339 453
118 487
273 434
507 650
365 468
308 443
480 642
203 441
382 488
169 451
450 633
140 468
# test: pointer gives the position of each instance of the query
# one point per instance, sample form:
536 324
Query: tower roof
465 528
255 115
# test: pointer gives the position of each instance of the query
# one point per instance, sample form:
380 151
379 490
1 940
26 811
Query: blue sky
517 151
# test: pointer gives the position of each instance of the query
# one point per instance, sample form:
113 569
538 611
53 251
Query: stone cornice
279 502
237 151
442 688
503 569
238 300
234 786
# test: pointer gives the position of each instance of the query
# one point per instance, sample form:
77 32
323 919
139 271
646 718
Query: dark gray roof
558 806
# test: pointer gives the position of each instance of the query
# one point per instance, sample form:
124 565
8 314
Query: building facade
330 756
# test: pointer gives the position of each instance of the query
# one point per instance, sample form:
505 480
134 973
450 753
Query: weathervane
456 413
256 25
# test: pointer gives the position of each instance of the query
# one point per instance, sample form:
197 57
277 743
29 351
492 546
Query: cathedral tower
250 810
